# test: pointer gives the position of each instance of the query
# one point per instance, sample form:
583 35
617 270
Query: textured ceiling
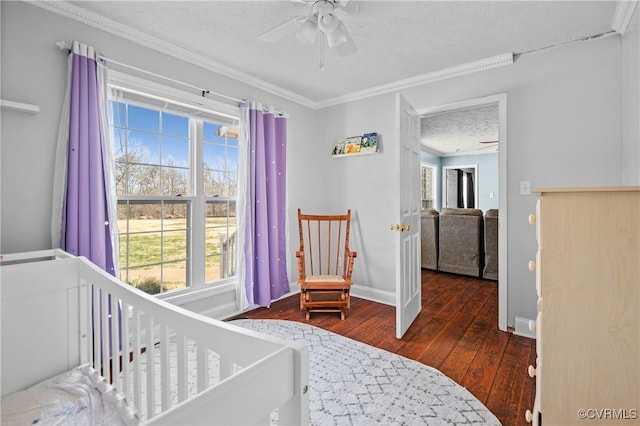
463 131
399 41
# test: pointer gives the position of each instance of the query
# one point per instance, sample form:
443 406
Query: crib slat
104 332
137 353
95 314
126 365
181 373
85 324
226 368
114 331
202 366
151 382
165 379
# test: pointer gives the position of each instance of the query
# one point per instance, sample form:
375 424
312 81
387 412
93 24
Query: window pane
212 269
144 247
211 132
143 180
175 181
232 159
214 156
220 184
119 138
220 240
175 125
154 247
147 279
118 114
175 151
143 147
220 162
143 119
174 276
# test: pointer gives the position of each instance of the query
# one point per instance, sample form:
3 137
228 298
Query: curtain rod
63 45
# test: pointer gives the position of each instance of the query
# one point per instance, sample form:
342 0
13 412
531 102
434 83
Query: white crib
61 311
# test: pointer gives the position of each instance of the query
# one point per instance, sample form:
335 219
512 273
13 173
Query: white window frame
434 182
197 199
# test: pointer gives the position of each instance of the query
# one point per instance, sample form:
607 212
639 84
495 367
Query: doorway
501 101
460 186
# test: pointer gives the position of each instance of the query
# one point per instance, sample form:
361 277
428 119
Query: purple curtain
265 228
85 229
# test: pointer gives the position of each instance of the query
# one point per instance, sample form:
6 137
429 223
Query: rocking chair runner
325 263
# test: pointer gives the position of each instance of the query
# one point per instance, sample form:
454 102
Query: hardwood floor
456 332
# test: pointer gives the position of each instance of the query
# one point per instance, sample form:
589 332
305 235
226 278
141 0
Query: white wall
564 128
362 184
630 101
487 177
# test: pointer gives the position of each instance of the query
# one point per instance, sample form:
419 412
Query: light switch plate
525 187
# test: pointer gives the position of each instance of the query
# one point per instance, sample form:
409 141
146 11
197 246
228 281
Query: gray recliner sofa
490 271
429 228
461 241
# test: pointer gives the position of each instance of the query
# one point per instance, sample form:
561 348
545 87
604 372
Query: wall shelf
356 145
354 154
19 106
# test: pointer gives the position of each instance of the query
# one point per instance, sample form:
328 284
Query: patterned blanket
352 383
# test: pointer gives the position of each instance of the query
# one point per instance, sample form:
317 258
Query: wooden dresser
588 322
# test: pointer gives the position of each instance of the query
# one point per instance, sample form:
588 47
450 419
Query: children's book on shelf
352 144
369 142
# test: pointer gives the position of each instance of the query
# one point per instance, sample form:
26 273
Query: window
220 146
176 182
428 185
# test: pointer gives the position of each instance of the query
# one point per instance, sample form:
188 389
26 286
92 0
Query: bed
80 347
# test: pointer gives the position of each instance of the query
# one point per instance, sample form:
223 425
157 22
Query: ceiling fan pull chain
322 51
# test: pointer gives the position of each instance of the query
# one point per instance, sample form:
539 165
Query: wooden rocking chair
325 263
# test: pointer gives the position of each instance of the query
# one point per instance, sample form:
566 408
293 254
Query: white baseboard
374 295
522 328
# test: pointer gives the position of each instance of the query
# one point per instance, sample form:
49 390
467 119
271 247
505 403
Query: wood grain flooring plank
456 330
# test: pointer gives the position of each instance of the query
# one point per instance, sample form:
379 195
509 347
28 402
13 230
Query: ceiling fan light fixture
308 30
338 37
348 46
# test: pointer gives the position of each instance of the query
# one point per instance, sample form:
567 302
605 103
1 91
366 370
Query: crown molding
622 16
69 10
443 74
95 20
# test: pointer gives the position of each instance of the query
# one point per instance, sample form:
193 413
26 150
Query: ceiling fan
489 145
322 18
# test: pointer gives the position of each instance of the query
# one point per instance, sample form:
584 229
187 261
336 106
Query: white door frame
501 99
463 166
435 184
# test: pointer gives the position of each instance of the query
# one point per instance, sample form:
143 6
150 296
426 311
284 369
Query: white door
452 188
407 227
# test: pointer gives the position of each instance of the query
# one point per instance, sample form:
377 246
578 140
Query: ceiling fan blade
282 30
347 6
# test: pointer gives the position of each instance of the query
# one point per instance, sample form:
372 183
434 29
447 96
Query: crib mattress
78 397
